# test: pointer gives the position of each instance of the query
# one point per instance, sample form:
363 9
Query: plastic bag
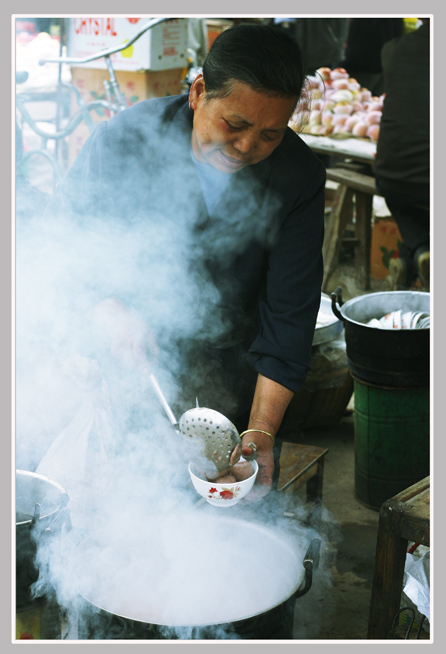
416 584
81 458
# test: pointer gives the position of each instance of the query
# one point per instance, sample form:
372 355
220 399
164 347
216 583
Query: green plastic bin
392 440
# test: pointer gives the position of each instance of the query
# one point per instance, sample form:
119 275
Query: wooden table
354 196
355 189
299 465
404 518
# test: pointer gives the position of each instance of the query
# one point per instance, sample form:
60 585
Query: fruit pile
334 104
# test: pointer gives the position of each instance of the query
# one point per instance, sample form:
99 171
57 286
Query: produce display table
360 150
405 517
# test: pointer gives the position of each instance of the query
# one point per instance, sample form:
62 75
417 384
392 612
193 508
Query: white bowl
222 495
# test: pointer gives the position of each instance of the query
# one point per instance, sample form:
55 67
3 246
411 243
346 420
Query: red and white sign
163 47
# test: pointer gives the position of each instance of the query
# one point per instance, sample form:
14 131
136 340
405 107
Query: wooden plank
363 232
298 463
352 179
413 491
387 578
289 480
340 216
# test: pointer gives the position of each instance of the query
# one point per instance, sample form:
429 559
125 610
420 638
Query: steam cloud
134 510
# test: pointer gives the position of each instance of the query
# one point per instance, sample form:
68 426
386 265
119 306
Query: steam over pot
161 603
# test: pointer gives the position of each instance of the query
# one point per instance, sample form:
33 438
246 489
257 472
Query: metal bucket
392 440
397 358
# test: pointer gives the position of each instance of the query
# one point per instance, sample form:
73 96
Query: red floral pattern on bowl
225 494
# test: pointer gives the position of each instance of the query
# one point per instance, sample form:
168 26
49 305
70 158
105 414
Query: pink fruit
324 72
357 106
340 83
317 105
312 82
329 105
375 106
339 73
351 122
373 117
327 118
339 119
360 129
373 132
343 108
315 117
353 83
365 95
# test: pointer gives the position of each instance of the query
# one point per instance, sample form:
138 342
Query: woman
238 196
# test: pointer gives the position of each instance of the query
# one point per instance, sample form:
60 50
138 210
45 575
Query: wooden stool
299 465
405 517
362 188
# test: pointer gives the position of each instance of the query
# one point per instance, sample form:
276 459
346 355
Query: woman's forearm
268 408
269 405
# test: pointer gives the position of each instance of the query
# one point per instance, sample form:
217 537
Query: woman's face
239 130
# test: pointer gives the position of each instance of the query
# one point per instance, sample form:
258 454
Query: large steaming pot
120 606
396 358
41 508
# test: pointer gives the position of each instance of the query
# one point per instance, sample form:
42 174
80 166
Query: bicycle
63 127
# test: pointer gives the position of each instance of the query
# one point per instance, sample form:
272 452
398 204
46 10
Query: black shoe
422 262
398 278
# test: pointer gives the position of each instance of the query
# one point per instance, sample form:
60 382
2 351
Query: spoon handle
163 401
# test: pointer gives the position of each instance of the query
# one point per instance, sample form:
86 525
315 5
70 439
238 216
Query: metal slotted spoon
222 442
220 436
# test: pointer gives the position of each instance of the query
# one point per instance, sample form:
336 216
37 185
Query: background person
363 46
402 165
321 40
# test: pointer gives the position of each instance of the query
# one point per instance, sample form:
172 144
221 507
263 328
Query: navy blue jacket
254 269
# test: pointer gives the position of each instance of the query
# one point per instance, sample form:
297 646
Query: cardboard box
163 47
386 240
216 27
136 86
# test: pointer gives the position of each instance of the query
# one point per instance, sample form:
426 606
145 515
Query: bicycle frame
111 85
115 100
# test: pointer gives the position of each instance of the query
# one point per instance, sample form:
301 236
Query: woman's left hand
265 460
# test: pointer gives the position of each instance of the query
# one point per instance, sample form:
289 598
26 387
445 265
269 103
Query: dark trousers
412 216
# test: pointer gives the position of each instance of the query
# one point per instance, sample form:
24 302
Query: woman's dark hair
262 56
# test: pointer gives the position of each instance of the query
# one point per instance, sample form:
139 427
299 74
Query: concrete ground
340 611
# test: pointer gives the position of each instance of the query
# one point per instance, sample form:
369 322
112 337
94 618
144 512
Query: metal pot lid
191 570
